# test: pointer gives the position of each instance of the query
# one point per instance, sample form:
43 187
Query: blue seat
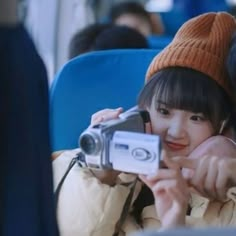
94 81
158 42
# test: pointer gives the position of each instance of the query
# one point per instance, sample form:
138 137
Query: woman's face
181 131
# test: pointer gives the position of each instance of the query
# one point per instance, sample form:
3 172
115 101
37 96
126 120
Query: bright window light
231 2
159 5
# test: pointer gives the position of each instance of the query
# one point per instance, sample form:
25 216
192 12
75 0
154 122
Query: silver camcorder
122 144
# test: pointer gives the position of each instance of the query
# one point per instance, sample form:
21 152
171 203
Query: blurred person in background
104 37
134 15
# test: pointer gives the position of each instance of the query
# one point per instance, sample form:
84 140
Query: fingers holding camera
171 193
105 115
171 197
106 176
173 169
171 201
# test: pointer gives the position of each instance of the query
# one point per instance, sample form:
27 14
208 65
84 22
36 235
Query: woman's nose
177 129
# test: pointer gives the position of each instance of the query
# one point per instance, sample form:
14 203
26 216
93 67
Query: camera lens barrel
90 143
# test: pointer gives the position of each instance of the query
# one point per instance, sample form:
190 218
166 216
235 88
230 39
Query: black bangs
187 89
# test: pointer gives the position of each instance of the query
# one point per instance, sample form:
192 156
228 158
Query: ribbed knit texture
202 43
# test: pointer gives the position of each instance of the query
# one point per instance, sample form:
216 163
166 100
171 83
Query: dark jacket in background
26 193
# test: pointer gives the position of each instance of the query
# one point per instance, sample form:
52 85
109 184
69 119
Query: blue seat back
94 81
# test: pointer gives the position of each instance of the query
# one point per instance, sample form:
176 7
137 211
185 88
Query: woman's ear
223 125
226 129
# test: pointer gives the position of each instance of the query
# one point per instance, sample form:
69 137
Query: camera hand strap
79 157
125 210
126 207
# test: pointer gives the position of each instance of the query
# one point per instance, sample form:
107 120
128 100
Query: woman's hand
210 168
211 176
105 115
171 194
105 176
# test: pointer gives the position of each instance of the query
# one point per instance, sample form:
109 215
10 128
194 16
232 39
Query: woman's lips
175 146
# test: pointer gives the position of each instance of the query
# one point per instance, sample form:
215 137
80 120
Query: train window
159 6
53 23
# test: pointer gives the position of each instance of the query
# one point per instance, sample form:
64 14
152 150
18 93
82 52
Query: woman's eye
197 118
163 111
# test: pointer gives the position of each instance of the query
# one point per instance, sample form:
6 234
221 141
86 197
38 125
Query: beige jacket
86 207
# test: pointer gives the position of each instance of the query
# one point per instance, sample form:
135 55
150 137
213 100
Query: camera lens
88 143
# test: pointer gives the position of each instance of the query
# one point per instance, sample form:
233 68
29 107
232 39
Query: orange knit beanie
202 43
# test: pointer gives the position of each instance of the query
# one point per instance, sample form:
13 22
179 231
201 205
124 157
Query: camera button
141 154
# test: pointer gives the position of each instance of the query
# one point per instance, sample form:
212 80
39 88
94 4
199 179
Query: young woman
189 99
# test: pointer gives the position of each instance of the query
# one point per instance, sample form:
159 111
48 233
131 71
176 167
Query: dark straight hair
190 90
